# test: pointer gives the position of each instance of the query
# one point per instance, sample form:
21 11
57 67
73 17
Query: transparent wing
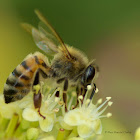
43 41
48 36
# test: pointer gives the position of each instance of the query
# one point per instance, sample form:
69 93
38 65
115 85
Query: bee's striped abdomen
19 82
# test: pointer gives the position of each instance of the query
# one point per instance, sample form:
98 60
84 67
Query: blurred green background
106 30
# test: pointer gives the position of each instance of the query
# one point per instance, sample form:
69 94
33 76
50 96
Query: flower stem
73 133
24 125
11 126
4 122
60 135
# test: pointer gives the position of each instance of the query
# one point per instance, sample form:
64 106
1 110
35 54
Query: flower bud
32 134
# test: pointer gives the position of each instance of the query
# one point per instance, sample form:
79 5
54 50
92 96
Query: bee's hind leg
37 97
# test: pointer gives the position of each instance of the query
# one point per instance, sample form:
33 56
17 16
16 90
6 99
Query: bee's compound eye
88 75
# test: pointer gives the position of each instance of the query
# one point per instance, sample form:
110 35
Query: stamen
80 98
110 103
85 98
97 90
108 98
99 101
101 105
103 116
89 87
53 104
87 102
103 110
70 102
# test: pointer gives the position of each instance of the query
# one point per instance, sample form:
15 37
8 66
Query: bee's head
88 75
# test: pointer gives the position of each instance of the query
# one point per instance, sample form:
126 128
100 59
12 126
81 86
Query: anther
88 87
97 90
88 101
108 115
99 101
110 103
80 97
108 98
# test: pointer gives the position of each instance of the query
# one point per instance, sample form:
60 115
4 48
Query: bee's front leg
37 98
93 91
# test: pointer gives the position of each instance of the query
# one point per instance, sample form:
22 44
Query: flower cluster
76 119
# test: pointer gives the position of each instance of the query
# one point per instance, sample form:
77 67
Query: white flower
48 110
87 116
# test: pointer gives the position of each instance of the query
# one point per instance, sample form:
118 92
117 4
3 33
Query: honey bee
69 66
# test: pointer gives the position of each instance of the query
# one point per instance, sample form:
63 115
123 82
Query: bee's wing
43 41
47 36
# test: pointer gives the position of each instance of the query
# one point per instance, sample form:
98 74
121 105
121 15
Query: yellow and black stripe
19 82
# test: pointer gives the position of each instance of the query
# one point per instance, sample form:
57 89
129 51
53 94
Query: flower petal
47 123
73 117
63 124
85 130
97 126
30 114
